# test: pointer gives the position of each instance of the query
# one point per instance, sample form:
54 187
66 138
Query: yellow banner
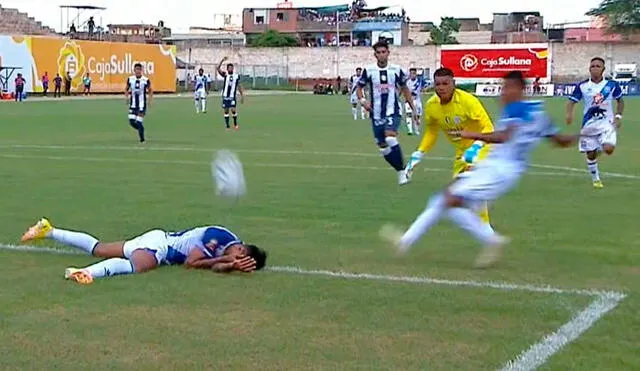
108 64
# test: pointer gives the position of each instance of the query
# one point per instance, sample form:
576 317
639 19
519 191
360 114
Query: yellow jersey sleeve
431 130
478 114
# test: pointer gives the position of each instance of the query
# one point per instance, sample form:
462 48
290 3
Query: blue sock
226 120
139 121
393 154
133 123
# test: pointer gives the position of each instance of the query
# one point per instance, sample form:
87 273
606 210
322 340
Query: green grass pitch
317 194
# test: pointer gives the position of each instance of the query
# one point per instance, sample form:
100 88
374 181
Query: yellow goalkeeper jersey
464 112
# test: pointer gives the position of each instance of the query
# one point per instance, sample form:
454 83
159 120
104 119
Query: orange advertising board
107 63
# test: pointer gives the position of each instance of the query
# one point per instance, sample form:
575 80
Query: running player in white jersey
353 83
208 247
599 123
230 89
200 91
415 84
385 82
138 95
522 125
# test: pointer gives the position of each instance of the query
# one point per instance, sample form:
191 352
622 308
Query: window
259 19
280 17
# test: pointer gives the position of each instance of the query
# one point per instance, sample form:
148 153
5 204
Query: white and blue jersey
353 85
508 161
384 88
212 240
200 86
138 88
598 100
415 87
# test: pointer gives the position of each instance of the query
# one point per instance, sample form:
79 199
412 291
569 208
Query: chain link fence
254 77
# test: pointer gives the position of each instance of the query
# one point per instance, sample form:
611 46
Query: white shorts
590 143
486 182
154 241
417 103
200 94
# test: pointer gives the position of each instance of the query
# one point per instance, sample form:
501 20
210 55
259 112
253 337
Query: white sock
354 110
429 217
363 113
197 102
593 169
409 125
203 102
80 240
472 223
110 267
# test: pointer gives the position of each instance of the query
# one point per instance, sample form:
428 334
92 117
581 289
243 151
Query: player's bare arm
563 140
127 92
221 72
494 137
226 263
569 114
150 92
363 101
404 89
619 112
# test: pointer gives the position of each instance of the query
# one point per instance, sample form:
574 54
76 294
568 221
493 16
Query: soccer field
336 298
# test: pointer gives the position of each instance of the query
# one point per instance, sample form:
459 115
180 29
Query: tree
444 34
273 39
621 16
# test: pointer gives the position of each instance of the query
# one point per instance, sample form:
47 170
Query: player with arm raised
138 95
599 122
385 81
451 110
208 247
200 91
521 126
353 82
230 88
416 85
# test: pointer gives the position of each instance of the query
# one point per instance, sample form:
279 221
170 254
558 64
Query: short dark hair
359 69
137 65
443 72
413 69
381 44
600 59
229 65
259 255
517 76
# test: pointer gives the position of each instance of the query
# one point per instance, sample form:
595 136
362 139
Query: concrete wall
569 61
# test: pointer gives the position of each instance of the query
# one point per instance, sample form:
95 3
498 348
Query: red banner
495 61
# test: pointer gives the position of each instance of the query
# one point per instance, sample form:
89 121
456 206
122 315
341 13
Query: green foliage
272 39
622 16
443 34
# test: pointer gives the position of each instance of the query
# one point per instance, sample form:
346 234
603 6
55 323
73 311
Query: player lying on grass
520 128
210 247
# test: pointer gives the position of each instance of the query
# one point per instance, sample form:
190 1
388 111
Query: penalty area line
528 360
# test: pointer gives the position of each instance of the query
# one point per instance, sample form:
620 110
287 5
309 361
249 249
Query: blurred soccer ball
228 175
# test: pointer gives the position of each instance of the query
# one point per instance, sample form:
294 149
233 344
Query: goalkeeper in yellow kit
453 110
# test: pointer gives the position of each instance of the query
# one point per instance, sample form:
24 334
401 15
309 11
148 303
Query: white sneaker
391 234
492 253
403 177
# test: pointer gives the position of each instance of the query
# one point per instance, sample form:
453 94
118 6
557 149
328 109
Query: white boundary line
564 169
528 360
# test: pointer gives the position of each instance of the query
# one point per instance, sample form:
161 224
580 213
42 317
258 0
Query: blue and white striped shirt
385 85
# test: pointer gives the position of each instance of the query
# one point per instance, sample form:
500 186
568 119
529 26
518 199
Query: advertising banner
490 62
107 63
628 89
493 90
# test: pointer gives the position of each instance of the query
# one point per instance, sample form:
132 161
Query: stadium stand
14 22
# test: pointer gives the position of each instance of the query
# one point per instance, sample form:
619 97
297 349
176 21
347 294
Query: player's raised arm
221 72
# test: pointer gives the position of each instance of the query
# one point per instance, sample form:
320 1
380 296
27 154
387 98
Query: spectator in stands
67 84
91 24
72 29
45 83
19 81
57 83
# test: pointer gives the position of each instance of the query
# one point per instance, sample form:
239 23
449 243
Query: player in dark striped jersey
138 94
385 82
230 89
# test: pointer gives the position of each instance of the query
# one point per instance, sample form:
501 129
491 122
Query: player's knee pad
391 141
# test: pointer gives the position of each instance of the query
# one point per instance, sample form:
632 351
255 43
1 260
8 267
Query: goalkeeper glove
416 157
470 156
